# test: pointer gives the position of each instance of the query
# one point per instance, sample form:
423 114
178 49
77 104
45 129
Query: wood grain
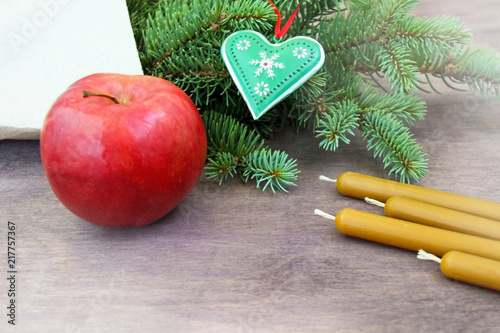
234 259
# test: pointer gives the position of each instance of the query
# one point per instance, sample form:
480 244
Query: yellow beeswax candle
440 217
362 186
468 268
410 235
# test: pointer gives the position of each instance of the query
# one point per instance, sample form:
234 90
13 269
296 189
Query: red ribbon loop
278 32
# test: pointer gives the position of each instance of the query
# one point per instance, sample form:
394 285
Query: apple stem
110 97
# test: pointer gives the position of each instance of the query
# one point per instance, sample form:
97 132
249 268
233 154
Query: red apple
122 150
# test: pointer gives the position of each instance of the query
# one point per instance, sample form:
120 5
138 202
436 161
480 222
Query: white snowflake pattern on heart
262 89
267 64
300 52
266 73
243 45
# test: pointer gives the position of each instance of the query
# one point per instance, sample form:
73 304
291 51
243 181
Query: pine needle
378 55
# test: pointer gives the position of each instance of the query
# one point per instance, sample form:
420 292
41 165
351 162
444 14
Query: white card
46 45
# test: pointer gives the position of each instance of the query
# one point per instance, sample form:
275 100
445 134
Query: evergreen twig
378 55
234 148
273 168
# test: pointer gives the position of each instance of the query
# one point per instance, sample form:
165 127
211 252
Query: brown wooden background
234 259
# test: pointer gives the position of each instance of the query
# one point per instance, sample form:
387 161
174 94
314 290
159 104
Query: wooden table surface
234 259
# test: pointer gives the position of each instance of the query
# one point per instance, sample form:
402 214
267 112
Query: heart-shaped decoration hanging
267 73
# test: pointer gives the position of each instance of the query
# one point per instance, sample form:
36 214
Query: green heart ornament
266 73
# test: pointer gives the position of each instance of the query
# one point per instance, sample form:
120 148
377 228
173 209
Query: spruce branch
334 126
139 11
390 139
176 29
272 168
233 147
394 10
406 107
226 134
377 55
248 15
479 68
221 167
428 37
385 38
317 96
310 11
399 68
342 35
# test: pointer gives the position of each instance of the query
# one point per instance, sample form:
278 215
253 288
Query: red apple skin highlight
127 164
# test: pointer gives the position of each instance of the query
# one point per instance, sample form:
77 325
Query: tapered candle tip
427 256
323 214
327 179
375 202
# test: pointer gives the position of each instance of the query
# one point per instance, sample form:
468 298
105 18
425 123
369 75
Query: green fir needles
378 55
271 168
233 148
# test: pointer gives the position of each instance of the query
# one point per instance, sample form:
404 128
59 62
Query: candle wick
323 214
375 202
427 256
328 179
